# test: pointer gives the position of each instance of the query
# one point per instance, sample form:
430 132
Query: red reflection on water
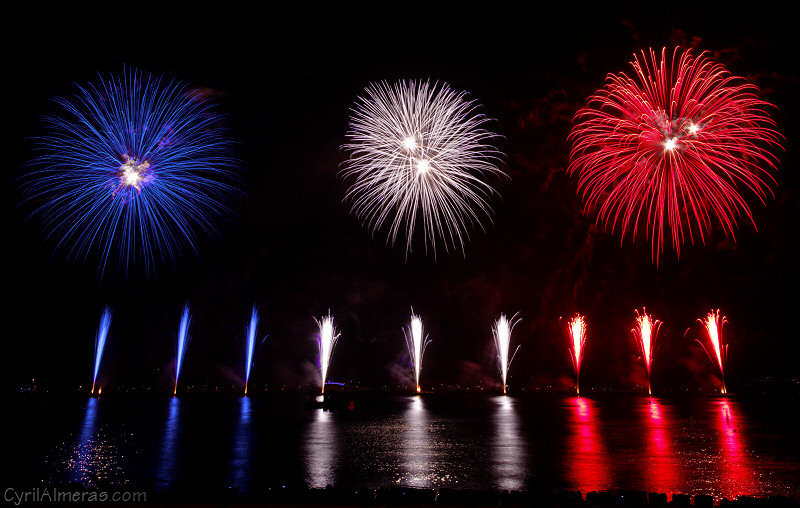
735 467
587 459
663 474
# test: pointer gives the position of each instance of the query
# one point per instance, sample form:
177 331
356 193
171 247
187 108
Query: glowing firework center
133 173
417 162
675 138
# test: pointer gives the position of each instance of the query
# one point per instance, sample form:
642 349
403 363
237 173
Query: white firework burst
419 153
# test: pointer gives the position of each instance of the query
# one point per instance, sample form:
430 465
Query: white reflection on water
94 459
169 445
240 462
321 450
509 455
415 462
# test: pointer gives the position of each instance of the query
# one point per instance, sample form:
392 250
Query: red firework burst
672 147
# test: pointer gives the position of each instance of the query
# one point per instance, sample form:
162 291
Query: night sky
286 81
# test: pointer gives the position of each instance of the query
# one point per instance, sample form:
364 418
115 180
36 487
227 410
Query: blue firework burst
131 169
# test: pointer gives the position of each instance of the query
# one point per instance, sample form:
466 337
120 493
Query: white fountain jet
327 341
502 340
416 342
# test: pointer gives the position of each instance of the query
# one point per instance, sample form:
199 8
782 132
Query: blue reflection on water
83 464
165 477
89 420
95 458
240 461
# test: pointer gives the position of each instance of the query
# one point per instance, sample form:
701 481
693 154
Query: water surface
696 445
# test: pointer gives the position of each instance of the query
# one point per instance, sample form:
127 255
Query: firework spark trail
713 326
327 341
577 334
131 168
416 342
672 147
419 153
250 333
646 332
502 339
183 341
100 342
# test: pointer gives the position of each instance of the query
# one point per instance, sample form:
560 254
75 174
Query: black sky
286 80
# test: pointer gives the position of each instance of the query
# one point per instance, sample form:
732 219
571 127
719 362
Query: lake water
723 447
